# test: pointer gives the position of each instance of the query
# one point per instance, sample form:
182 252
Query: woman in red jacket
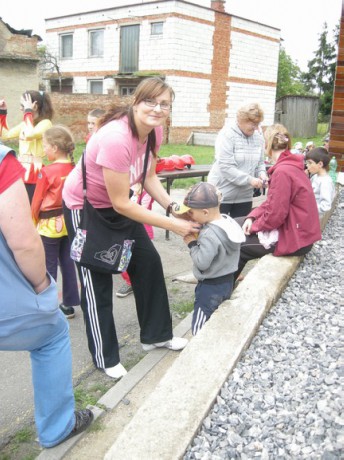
287 223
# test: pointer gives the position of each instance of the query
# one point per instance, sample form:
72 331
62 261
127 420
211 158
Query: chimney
218 5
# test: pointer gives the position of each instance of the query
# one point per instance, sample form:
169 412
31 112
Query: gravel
284 399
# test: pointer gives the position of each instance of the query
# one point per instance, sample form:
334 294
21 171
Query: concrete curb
165 424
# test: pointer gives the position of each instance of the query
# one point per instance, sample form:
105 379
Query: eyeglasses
153 103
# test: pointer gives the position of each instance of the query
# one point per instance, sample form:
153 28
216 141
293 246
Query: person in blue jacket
30 318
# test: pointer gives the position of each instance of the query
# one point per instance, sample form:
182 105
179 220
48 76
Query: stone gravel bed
285 398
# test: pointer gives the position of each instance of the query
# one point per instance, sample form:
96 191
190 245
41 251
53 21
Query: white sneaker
175 344
115 372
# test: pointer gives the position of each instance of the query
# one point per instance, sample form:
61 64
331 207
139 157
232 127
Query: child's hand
26 102
190 237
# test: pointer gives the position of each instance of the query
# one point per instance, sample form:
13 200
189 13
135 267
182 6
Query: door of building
129 55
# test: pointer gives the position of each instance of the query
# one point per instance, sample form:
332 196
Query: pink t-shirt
113 146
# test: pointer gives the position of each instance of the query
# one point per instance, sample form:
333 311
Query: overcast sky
300 21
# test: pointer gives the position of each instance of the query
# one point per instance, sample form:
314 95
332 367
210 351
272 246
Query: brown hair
149 88
44 104
62 137
319 154
277 137
250 112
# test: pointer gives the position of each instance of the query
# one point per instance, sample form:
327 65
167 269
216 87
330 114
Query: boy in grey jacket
214 251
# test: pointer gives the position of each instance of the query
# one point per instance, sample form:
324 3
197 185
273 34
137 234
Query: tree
49 64
289 77
321 70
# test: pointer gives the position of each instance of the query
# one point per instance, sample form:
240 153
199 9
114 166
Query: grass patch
182 309
22 446
83 398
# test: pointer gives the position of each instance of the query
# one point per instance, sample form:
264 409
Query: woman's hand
247 226
256 182
183 227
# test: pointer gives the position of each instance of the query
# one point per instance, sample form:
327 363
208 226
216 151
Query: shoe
69 312
115 372
125 290
175 344
83 419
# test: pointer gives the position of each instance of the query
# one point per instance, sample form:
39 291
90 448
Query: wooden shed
337 119
299 114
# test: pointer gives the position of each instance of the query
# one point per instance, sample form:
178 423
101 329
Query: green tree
320 76
289 77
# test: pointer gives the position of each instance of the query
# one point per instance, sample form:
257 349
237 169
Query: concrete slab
164 425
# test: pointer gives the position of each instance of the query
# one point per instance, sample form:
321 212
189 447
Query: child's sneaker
125 290
69 312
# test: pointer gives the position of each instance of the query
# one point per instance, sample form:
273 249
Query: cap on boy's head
200 196
298 145
309 144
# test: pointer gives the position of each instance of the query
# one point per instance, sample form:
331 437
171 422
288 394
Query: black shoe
69 312
83 419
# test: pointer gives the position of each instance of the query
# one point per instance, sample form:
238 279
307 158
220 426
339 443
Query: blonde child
47 213
317 161
93 118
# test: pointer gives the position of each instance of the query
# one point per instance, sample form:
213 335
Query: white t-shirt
324 192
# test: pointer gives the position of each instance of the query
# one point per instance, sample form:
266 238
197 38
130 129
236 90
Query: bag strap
83 168
145 164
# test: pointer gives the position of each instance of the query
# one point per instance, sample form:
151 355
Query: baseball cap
298 145
309 143
202 195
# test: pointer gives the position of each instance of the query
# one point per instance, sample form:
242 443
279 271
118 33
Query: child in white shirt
317 161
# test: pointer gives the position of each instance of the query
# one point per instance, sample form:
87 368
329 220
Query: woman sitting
287 222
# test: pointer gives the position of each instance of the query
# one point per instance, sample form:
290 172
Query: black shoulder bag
103 242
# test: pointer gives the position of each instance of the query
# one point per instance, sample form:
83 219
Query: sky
300 21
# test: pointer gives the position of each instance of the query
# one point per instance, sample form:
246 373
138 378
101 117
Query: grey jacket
216 252
238 159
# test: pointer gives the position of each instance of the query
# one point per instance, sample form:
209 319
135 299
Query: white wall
253 57
190 107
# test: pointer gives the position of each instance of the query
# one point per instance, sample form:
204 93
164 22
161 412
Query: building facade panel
241 93
190 107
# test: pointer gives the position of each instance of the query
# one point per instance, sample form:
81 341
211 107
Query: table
169 176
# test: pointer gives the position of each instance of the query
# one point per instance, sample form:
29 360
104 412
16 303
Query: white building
214 61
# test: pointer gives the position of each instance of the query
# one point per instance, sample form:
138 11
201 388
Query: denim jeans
51 360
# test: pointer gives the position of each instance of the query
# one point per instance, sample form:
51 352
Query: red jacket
290 206
48 191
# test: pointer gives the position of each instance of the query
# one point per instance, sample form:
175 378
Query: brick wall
220 66
72 109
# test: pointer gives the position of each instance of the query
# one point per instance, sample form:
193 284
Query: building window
156 28
95 86
127 90
66 46
96 43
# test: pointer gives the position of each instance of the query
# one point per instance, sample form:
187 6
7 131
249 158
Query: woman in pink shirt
114 163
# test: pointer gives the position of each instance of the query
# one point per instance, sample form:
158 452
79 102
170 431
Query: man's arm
21 236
